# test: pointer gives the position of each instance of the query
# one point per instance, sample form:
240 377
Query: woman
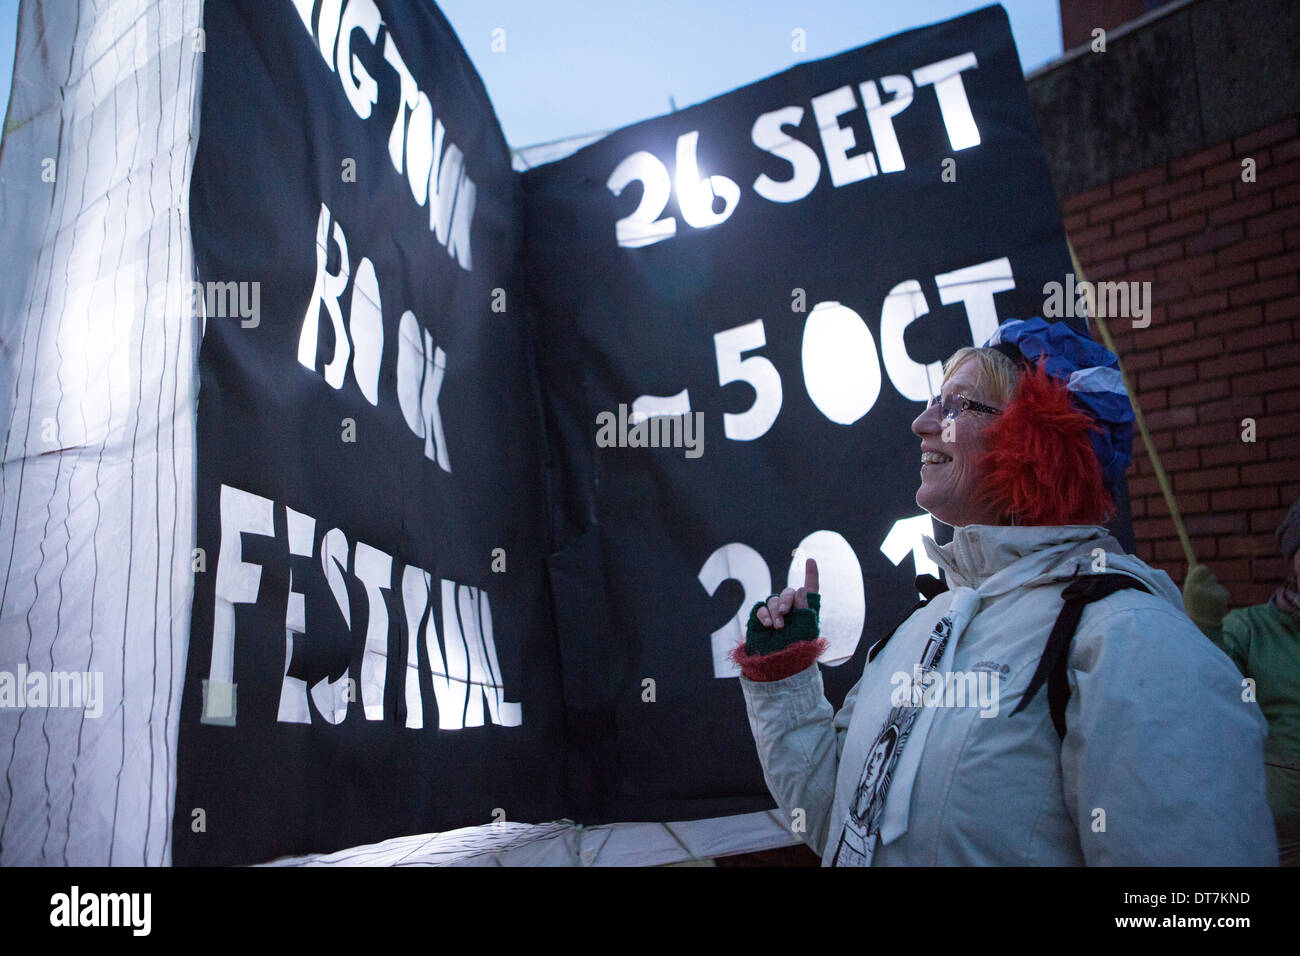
1159 760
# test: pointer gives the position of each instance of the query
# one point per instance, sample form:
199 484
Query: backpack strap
1052 666
926 584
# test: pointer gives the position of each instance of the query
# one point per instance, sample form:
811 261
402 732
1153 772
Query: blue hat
1091 375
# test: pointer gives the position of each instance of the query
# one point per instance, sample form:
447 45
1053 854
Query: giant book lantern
476 474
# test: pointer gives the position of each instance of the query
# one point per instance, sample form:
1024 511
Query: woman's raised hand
778 606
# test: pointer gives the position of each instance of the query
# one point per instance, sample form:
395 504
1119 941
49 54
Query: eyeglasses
956 403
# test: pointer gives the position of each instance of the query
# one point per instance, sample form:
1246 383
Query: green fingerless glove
801 624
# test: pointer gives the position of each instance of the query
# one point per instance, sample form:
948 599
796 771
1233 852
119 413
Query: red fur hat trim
781 664
1040 467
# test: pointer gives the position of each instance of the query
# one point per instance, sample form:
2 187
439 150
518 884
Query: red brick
1150 177
1283 401
1215 237
1205 199
1282 309
1267 519
1205 157
1122 341
1219 388
1242 208
1263 291
1107 211
1273 222
1155 254
1282 451
1184 459
1086 200
1169 549
1280 355
1196 503
1271 570
1280 426
1207 436
1109 269
1202 347
1293 238
1284 129
1179 227
1155 399
1141 361
1217 523
1244 318
1266 334
1118 246
1156 503
1249 544
1087 237
1138 220
1171 418
1224 278
1234 570
1163 377
1232 453
1243 499
1287 150
1231 170
1150 528
1242 190
1249 595
1186 268
1138 507
1275 380
1266 473
1236 364
1254 248
1198 305
1170 290
1177 187
1279 175
1163 331
1074 221
1232 408
1285 196
1143 486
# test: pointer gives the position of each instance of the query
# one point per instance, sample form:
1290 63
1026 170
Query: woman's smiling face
950 476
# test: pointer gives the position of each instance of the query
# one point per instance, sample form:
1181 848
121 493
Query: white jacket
1162 762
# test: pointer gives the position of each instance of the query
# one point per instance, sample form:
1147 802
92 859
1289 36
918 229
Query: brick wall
1223 260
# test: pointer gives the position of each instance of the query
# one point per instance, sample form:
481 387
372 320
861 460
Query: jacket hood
1040 555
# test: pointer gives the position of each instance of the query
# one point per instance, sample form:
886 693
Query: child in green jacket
1264 642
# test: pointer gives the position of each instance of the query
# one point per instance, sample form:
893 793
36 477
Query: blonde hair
996 376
